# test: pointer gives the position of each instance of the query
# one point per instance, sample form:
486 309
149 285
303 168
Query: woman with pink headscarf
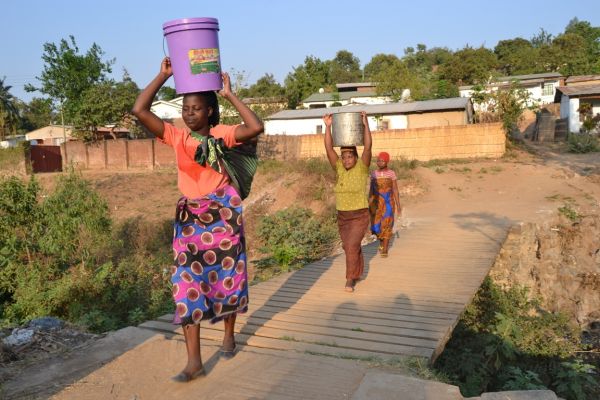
384 202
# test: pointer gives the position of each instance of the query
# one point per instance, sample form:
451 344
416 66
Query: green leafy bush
61 256
504 341
582 143
294 236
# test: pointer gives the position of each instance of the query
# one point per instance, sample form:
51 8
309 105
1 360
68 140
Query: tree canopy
67 74
9 115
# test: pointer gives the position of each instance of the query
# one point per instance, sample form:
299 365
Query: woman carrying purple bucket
215 166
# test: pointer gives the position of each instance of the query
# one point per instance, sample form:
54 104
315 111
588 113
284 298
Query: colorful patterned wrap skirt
209 275
382 207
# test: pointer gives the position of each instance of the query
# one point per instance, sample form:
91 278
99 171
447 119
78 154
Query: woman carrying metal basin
350 130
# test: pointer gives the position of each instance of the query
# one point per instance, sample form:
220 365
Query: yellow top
351 186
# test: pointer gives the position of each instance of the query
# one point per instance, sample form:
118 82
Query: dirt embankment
559 260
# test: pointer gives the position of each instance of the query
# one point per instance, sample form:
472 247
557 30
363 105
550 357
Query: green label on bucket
204 61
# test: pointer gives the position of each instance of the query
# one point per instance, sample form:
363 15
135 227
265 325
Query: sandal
228 354
184 377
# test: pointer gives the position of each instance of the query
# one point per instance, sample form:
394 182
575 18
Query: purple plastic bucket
194 50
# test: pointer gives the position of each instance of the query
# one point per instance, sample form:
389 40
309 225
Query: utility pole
62 120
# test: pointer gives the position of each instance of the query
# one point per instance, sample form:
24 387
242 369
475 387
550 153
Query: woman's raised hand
226 91
365 120
165 67
327 118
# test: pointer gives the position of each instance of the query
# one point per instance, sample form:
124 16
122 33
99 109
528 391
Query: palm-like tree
9 115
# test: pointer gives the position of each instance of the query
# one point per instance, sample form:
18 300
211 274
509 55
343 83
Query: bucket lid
187 23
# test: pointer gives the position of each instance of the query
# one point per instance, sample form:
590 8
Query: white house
418 114
542 87
11 141
347 94
571 97
167 109
50 135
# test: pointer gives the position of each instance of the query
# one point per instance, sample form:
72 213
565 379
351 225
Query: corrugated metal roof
356 84
582 78
530 79
580 90
455 103
529 76
342 96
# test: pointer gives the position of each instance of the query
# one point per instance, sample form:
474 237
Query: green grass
464 170
11 158
569 212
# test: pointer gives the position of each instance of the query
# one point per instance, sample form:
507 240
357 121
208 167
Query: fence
423 144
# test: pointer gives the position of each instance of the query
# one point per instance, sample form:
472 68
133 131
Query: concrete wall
430 119
458 141
395 121
118 154
464 141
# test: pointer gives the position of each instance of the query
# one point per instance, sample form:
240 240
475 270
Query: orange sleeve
227 133
169 134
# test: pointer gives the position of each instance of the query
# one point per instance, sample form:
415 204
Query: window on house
547 89
384 125
319 128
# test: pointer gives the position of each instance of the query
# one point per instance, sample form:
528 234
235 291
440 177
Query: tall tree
541 39
591 37
567 55
266 86
305 80
9 114
379 63
37 114
516 56
67 74
166 93
106 103
470 65
394 79
344 68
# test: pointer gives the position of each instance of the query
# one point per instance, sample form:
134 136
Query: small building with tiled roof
571 97
418 114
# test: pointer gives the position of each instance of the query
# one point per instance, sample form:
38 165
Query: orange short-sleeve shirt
194 180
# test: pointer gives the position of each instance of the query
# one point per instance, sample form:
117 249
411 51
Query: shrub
582 143
62 257
294 236
504 341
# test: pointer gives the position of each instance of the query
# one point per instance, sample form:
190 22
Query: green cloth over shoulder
240 162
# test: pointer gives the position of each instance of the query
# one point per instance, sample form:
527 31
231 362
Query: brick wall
423 144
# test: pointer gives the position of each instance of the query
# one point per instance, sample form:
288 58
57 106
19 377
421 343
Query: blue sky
261 36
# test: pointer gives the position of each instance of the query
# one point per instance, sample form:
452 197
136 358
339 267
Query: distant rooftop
455 103
582 78
524 79
315 97
580 90
356 84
